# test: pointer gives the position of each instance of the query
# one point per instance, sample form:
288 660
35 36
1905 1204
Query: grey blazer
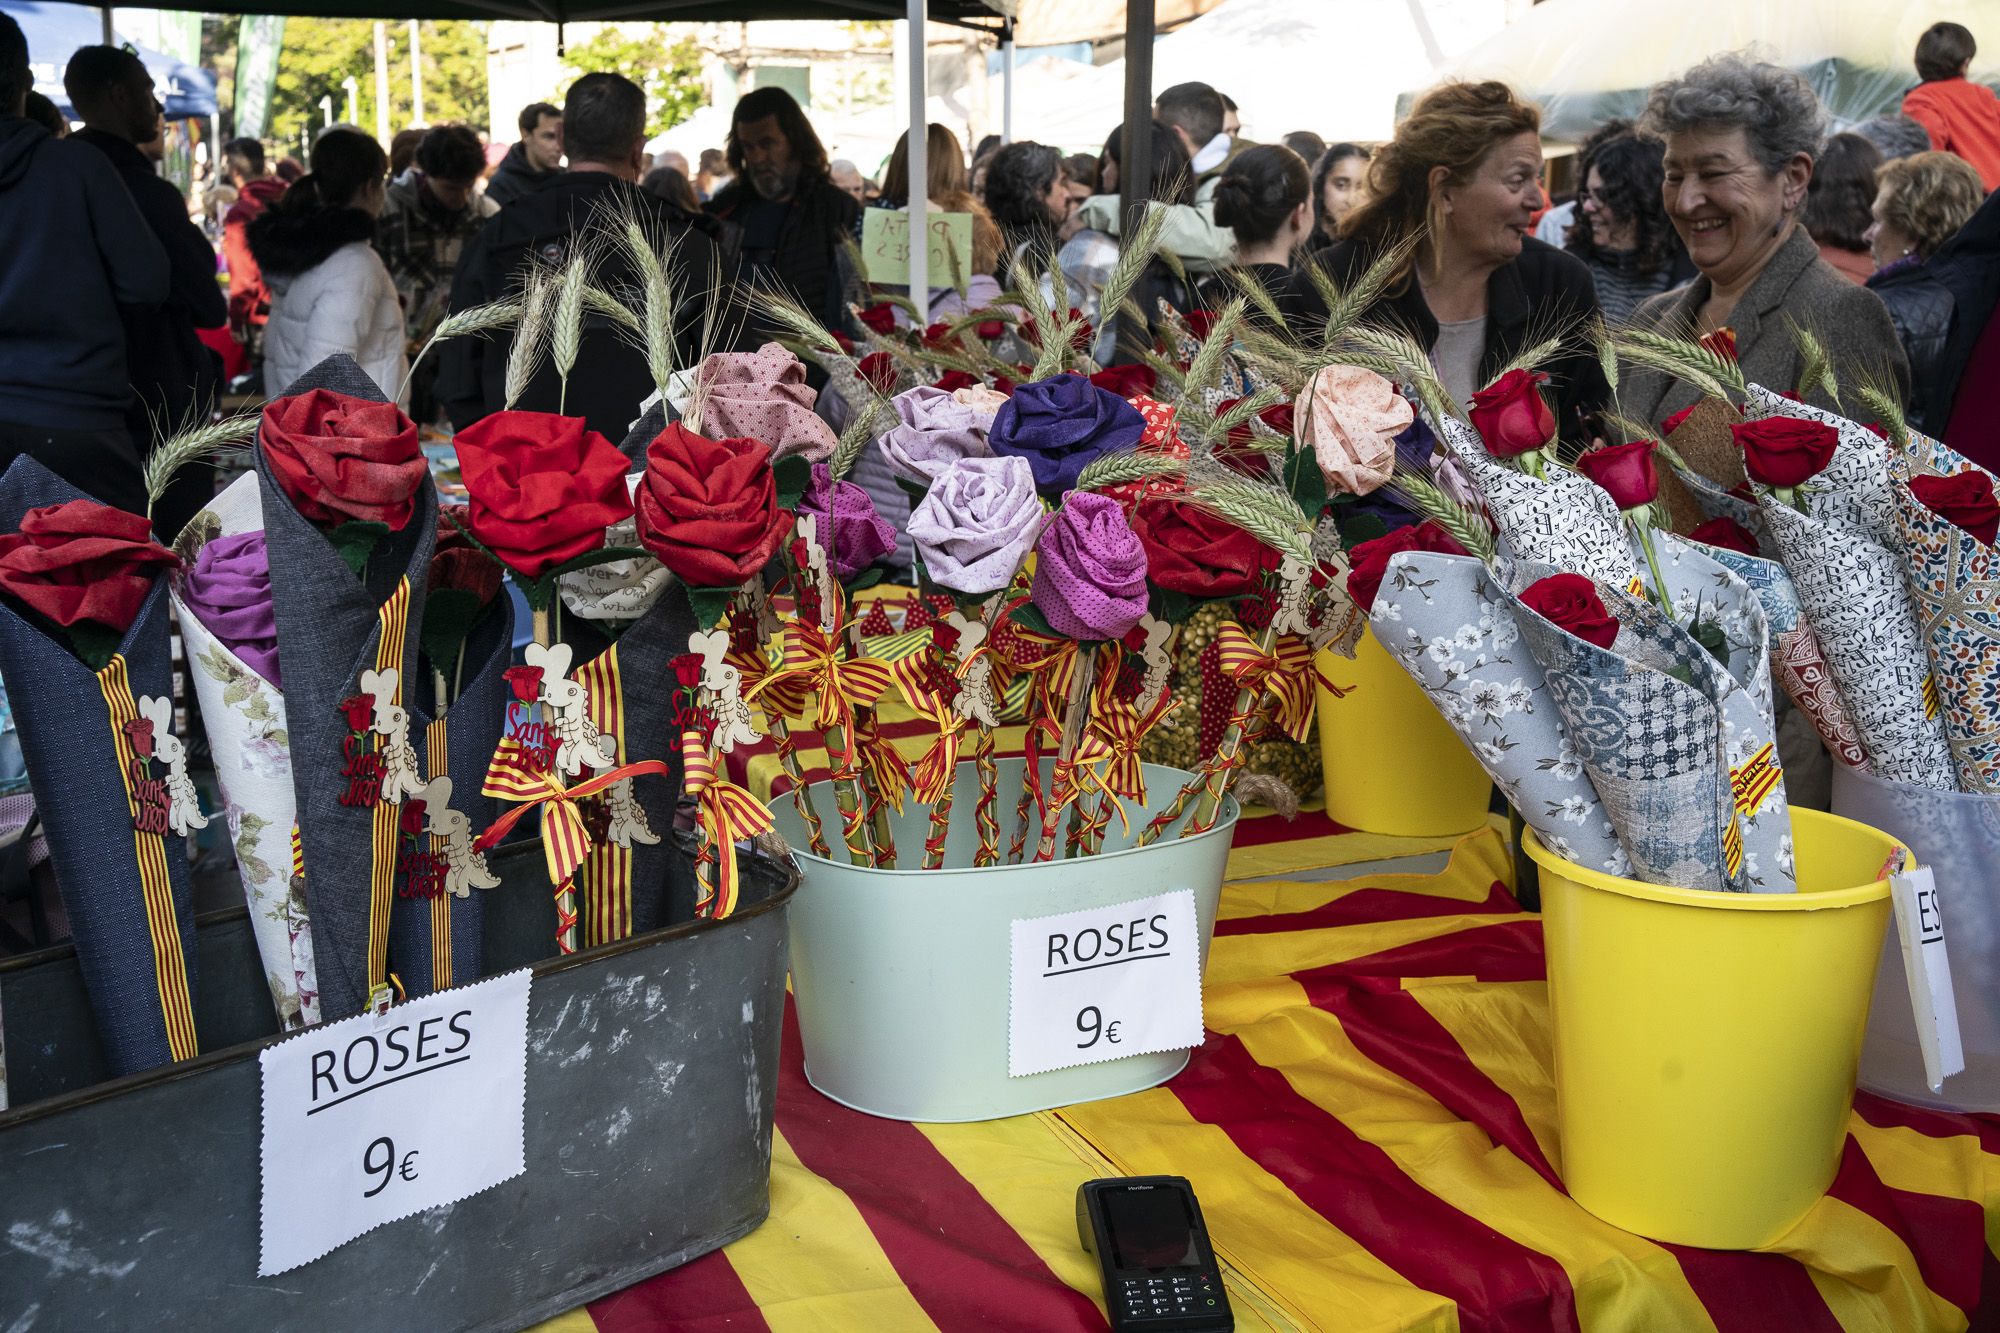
1797 286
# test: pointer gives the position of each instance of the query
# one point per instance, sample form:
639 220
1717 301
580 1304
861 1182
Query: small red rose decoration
879 318
1511 415
708 509
81 560
1191 551
1571 601
1964 500
139 735
954 380
879 369
841 340
525 681
1200 323
1783 452
543 488
1624 470
1722 342
1727 533
1369 560
410 822
687 670
1126 381
989 329
360 711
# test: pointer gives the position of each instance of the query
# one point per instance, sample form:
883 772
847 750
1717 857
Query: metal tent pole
416 76
1007 82
1135 171
382 82
920 176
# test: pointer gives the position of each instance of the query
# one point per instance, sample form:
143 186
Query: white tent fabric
1588 60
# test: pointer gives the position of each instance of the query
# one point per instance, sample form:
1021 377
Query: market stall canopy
966 13
1586 61
55 31
1061 22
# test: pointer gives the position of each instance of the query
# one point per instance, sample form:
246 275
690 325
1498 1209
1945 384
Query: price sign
1920 926
885 245
1105 983
380 1116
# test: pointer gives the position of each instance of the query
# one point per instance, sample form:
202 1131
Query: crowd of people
1728 203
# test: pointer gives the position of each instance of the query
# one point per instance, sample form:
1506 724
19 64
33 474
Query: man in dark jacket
77 251
787 217
535 159
174 376
604 130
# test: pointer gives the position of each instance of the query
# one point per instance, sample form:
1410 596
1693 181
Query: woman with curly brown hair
1921 201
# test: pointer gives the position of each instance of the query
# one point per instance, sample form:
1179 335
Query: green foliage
669 70
319 53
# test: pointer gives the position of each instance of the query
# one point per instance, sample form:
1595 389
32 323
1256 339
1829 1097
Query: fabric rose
708 509
977 524
1727 533
879 370
81 560
953 380
984 402
1199 323
340 458
851 533
228 588
1126 381
1090 570
1351 418
1062 425
525 682
456 563
1964 500
1511 415
1368 562
1677 420
933 430
543 488
1625 471
1571 602
878 318
763 395
989 329
1189 550
1782 452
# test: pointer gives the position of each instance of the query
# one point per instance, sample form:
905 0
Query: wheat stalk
1130 466
1346 306
1133 256
525 355
1882 402
1538 352
1607 354
1815 363
787 313
479 319
1397 356
221 442
1206 368
1708 371
566 321
1241 411
860 430
1466 526
1266 513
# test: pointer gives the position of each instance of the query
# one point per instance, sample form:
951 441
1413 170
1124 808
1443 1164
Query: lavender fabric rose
229 591
933 430
1090 570
853 535
977 524
1061 426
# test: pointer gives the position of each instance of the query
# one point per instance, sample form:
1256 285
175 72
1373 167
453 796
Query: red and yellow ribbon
933 773
386 818
1286 672
815 682
728 815
437 751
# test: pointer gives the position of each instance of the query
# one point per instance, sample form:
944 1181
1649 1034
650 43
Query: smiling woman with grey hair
1741 138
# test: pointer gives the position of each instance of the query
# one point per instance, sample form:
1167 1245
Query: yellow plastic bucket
1706 1043
1392 764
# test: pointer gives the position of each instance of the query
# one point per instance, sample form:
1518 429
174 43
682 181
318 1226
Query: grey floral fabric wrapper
1955 585
1684 761
1851 494
1446 622
1567 522
1860 610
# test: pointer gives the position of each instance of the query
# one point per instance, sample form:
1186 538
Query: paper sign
1920 926
1105 983
885 246
374 1118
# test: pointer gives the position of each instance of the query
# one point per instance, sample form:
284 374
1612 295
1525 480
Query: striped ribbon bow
1286 672
1121 726
813 666
565 838
729 813
932 774
1086 771
887 772
1051 660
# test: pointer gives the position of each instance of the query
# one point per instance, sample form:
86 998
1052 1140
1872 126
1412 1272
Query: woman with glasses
1621 229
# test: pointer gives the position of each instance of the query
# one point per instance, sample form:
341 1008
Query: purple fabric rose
933 430
853 535
229 591
1061 426
977 524
1090 570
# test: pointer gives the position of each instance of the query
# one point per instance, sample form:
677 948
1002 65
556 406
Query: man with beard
788 217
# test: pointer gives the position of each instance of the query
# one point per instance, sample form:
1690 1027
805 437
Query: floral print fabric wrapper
1954 581
1443 619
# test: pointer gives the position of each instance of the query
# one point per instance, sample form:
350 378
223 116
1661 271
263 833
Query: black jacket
514 177
1968 268
1544 290
820 220
77 251
610 379
291 241
1920 306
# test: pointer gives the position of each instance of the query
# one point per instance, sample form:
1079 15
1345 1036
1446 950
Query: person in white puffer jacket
330 291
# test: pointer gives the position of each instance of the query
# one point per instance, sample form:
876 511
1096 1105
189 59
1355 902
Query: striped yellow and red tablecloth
1370 1126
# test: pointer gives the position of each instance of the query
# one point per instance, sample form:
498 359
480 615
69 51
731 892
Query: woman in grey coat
1740 139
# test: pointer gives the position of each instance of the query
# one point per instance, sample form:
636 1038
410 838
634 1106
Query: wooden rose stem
985 818
1031 763
781 736
1214 778
877 806
1074 716
566 900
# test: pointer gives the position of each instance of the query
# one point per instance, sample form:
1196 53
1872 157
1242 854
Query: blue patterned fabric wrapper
1660 727
1955 584
1858 604
1702 590
1851 494
1445 621
67 741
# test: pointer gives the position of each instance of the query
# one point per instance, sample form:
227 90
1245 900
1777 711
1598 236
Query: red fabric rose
879 318
879 369
989 329
338 457
360 710
1511 415
457 564
1727 533
709 508
1964 500
954 380
842 341
1674 422
687 670
938 335
524 681
1200 323
1369 560
1626 471
544 488
1722 342
1191 551
1571 602
1126 381
1782 452
81 560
